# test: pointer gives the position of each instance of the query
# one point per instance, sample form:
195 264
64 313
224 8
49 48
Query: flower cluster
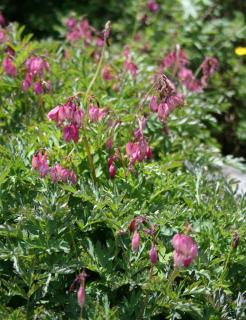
129 65
178 60
185 250
167 100
40 164
69 117
150 230
140 149
35 68
57 173
79 30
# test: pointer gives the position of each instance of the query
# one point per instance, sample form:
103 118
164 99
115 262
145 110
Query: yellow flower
240 51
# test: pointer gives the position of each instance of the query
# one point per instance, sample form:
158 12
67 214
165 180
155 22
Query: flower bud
153 254
81 296
112 171
135 241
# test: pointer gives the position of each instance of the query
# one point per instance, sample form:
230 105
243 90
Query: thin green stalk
96 73
90 157
81 314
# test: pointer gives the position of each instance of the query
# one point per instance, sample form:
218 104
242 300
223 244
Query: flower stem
90 157
96 73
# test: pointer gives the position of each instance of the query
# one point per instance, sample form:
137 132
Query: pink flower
131 151
189 81
185 250
148 152
26 84
38 87
55 173
81 296
64 174
37 66
78 117
58 173
79 31
53 114
135 241
177 57
153 254
209 66
8 67
100 42
112 171
106 73
39 163
71 23
71 132
174 101
153 104
152 6
131 67
95 113
163 111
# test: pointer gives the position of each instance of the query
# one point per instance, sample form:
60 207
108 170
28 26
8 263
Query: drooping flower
112 171
152 6
153 254
38 87
135 241
163 111
96 114
188 79
153 104
37 66
208 66
71 132
185 250
131 67
106 73
71 23
81 296
39 163
8 67
176 57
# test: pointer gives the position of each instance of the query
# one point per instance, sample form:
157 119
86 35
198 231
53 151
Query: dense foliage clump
112 204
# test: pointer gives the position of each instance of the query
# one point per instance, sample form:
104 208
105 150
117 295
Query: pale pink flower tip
135 241
185 250
81 296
